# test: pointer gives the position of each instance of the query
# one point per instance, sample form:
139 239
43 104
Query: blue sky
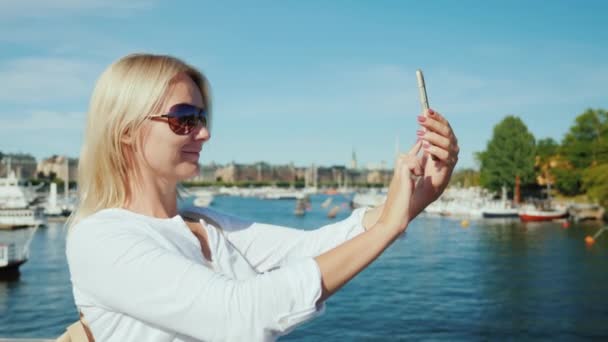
308 81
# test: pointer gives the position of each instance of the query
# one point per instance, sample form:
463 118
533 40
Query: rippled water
492 280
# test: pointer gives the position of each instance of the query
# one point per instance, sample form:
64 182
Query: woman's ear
127 138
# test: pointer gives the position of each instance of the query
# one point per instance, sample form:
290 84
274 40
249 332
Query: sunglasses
183 118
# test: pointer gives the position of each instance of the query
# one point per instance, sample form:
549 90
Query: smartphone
424 100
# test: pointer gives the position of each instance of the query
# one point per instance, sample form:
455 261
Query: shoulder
107 220
103 227
216 218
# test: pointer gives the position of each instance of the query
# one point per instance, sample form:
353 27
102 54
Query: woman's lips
192 153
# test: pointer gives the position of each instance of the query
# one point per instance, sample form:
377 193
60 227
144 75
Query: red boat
528 215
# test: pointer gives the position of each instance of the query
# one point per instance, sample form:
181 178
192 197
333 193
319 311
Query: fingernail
419 132
426 144
421 118
431 112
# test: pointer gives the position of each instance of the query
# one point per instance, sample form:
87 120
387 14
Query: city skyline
309 82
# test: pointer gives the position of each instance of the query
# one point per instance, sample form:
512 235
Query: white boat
371 198
502 208
56 207
15 201
460 203
18 223
202 197
14 249
281 194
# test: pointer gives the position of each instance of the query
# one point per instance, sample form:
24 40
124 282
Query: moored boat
500 212
529 215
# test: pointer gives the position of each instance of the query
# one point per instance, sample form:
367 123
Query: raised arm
341 264
266 246
125 269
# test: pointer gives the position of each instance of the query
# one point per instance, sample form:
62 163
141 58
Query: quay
581 212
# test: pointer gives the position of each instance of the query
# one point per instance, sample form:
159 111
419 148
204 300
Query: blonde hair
127 92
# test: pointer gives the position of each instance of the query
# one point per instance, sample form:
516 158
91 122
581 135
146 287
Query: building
23 164
61 167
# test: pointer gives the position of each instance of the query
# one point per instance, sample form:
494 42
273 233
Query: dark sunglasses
183 118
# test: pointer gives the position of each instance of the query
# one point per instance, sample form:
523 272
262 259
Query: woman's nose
202 133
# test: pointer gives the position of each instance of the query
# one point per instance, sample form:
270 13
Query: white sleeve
266 246
127 270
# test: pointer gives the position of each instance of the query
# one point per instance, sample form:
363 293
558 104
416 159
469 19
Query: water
489 281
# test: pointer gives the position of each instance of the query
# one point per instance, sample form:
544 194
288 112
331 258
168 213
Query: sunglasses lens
184 118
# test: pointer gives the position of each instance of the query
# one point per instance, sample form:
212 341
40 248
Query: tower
353 161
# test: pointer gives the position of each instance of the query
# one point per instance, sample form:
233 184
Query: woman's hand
440 142
396 209
438 161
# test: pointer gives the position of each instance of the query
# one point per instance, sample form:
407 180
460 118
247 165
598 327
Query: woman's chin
188 171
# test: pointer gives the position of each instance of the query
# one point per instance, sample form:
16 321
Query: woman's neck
153 197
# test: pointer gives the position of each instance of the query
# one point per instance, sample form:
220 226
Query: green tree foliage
465 178
546 149
509 153
568 181
595 182
586 142
584 146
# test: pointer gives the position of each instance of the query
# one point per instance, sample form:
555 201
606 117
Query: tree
584 146
510 152
546 160
595 183
465 178
546 149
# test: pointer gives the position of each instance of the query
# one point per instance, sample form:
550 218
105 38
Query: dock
582 212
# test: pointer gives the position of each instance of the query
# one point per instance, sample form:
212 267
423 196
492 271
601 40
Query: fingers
416 148
434 139
439 138
409 163
415 167
437 152
433 124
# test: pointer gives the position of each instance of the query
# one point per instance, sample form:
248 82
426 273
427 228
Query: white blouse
140 278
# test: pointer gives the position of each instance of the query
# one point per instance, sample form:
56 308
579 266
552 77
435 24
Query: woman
143 272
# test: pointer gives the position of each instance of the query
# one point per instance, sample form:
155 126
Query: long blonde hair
127 92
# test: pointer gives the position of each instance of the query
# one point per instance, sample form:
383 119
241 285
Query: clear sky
309 81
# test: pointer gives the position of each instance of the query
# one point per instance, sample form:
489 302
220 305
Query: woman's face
169 155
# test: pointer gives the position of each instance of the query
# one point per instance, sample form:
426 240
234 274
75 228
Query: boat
282 194
326 203
502 208
17 202
55 207
500 212
537 213
543 210
459 202
533 214
18 223
333 212
586 211
371 198
14 250
203 198
302 206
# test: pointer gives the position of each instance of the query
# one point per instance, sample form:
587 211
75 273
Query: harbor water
492 280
